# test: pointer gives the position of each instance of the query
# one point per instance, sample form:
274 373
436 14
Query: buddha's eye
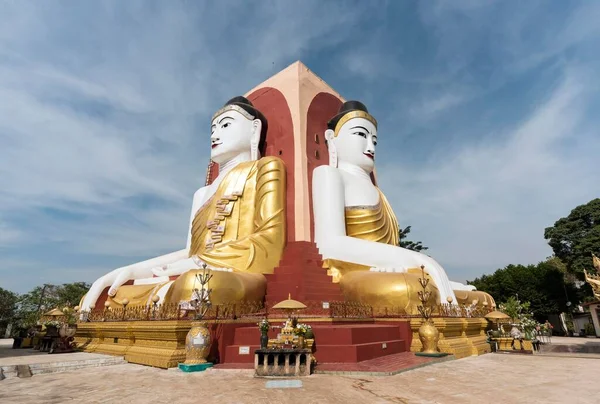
374 142
226 124
362 134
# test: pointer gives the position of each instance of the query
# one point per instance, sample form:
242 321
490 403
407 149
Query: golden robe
372 223
395 291
241 227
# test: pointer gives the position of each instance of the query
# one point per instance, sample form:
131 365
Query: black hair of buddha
346 107
247 106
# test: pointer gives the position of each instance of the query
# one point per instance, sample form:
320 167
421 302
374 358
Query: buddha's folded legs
227 287
397 292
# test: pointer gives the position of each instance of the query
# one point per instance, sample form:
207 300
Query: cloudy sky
488 119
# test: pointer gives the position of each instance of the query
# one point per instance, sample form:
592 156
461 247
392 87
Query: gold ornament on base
197 344
198 341
428 333
594 279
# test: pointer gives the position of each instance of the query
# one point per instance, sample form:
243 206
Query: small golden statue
594 280
428 333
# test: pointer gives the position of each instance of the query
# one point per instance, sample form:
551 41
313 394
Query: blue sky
488 125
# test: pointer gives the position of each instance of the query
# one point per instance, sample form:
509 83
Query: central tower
297 104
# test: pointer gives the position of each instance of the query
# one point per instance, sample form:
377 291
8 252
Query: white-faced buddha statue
237 224
356 230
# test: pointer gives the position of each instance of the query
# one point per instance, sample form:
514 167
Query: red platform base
334 343
301 274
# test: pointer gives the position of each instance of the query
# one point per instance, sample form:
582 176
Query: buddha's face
355 143
231 135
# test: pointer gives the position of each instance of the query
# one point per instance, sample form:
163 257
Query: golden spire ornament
198 340
428 333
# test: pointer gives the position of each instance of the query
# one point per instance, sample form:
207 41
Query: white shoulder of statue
327 175
200 191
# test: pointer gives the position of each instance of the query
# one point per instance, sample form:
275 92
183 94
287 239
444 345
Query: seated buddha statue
356 230
237 224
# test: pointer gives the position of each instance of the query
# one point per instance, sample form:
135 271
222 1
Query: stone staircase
334 343
580 347
301 274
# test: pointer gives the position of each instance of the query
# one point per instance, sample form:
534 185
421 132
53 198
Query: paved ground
485 379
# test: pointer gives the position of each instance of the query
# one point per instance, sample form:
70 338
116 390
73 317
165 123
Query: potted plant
590 331
300 331
309 333
52 327
69 327
264 327
18 335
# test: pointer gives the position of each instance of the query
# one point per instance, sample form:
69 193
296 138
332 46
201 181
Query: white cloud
106 103
431 106
487 205
104 107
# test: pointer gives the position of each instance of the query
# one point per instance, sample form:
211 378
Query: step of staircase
32 369
591 347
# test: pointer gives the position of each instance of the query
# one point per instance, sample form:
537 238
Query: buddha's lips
214 145
369 155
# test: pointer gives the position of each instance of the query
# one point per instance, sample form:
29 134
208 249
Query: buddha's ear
329 135
255 139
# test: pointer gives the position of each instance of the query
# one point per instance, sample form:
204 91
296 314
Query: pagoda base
162 343
459 336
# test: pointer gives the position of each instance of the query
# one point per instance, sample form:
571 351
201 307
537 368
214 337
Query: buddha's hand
221 269
381 269
161 270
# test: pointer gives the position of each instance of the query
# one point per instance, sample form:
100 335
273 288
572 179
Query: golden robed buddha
237 226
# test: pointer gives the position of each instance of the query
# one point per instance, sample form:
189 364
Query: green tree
410 245
43 298
543 285
70 294
8 309
574 238
514 308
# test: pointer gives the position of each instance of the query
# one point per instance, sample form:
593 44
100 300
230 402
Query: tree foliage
8 305
410 245
574 238
542 285
32 304
514 308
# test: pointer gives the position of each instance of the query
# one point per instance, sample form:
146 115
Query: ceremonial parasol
55 313
289 305
496 316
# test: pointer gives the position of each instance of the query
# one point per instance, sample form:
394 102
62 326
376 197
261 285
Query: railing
440 311
257 310
173 311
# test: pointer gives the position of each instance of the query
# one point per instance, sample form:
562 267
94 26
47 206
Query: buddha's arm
145 269
184 263
117 277
333 243
461 286
330 228
261 250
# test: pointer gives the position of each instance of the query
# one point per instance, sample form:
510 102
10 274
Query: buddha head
237 128
352 136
